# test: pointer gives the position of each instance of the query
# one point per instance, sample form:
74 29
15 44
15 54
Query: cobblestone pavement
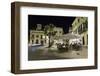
75 54
43 53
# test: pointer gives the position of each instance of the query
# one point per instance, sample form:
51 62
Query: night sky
59 21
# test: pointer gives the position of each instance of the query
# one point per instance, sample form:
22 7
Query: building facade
59 31
37 37
80 26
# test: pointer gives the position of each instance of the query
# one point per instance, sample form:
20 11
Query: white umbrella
68 36
71 36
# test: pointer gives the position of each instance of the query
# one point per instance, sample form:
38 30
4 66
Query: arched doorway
37 41
42 42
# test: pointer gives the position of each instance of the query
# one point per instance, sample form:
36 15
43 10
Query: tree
49 31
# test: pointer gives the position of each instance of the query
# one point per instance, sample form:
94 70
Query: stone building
80 26
59 31
38 36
